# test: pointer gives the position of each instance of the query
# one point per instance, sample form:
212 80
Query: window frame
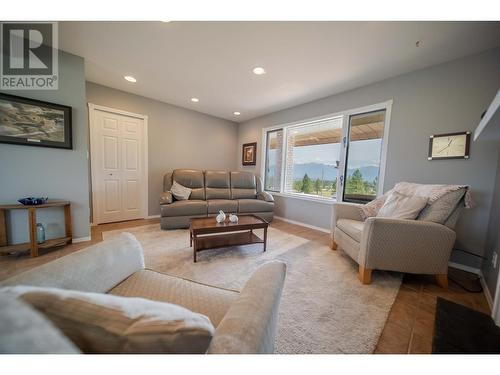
387 106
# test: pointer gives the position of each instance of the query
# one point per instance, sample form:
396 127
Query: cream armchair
411 246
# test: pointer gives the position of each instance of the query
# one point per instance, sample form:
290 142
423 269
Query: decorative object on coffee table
233 218
33 245
221 217
249 153
32 122
205 233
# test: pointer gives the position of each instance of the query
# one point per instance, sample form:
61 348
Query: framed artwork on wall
449 146
33 122
249 153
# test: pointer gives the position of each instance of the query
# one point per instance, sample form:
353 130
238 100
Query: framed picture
32 122
449 146
249 153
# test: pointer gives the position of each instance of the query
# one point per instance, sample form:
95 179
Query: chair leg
333 245
365 275
442 281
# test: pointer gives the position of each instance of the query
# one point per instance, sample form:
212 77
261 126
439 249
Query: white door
119 165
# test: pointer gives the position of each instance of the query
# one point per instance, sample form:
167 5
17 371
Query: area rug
324 308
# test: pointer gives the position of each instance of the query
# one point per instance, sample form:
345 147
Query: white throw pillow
399 206
180 192
103 323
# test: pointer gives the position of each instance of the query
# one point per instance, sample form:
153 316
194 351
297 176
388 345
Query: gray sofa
245 322
211 191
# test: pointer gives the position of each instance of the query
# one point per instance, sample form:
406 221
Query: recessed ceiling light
130 79
259 70
195 100
166 21
236 113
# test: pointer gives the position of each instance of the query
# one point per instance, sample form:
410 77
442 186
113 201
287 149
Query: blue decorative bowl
31 201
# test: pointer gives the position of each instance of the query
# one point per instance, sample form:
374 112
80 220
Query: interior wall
490 273
177 137
444 98
27 171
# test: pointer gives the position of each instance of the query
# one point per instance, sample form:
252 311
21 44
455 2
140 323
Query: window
337 157
312 158
274 155
364 152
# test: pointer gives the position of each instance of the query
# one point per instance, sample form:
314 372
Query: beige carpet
324 308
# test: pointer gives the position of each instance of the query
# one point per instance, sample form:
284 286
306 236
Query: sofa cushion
103 323
243 185
180 192
254 205
440 210
184 208
226 205
353 228
207 300
192 179
217 185
24 330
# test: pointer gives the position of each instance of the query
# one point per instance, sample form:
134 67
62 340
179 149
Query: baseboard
302 224
81 239
486 290
152 217
463 267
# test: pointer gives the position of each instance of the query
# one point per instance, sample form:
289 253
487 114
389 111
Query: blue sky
361 153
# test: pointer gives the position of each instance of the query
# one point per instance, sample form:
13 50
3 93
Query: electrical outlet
494 259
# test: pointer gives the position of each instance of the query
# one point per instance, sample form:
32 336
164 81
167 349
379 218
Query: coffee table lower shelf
215 241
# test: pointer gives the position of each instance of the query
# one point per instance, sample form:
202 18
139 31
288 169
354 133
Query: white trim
304 197
81 239
145 175
387 105
495 311
302 224
486 291
463 267
116 111
490 112
153 217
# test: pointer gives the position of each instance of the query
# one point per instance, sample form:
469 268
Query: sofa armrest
97 268
265 196
406 246
166 198
249 327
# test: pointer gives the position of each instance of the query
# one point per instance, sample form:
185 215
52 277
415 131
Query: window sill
328 201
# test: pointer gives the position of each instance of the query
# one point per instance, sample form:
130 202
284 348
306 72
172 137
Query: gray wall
56 173
445 98
493 238
177 137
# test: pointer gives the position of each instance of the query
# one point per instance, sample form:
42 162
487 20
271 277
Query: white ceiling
304 61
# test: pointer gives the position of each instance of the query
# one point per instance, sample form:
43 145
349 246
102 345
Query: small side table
33 246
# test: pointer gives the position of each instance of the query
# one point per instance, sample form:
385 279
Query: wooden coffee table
206 233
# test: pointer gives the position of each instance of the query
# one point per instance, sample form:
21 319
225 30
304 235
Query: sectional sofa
211 191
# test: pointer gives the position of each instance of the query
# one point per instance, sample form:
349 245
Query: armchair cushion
400 206
440 210
353 228
103 323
